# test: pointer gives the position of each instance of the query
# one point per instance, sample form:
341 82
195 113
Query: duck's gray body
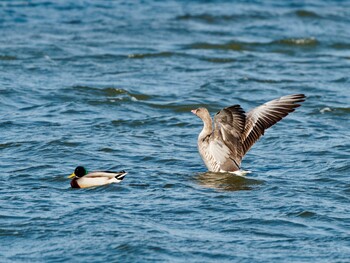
235 132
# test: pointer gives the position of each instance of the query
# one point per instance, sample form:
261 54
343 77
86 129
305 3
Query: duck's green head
80 171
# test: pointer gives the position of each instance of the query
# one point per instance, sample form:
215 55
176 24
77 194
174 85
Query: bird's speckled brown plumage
235 132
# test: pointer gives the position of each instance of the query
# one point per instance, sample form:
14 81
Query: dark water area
110 85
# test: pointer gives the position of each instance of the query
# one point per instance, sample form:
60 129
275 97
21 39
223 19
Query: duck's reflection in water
227 181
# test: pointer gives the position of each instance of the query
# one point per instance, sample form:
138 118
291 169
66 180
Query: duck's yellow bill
72 175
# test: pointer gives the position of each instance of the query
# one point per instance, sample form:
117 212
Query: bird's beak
72 175
194 111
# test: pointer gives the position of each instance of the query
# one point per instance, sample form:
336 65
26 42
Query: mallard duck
82 178
235 132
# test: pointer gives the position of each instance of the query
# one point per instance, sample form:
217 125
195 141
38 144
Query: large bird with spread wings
235 132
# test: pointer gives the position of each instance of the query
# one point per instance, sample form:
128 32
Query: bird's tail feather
121 175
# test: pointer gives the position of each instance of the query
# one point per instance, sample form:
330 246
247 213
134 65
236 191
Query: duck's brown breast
74 183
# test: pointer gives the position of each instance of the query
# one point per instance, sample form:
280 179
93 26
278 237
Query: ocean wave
306 14
151 55
255 46
212 18
309 41
111 93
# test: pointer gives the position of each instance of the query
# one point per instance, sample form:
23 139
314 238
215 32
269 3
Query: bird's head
79 172
201 113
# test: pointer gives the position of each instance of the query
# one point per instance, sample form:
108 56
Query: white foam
326 109
241 172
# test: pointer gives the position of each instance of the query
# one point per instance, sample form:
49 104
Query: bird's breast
74 183
207 157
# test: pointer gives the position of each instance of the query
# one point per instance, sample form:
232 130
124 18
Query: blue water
110 85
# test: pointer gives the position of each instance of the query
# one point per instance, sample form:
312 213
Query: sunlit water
110 85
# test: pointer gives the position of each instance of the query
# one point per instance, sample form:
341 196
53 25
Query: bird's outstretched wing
263 117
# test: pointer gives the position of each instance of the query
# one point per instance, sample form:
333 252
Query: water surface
110 85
